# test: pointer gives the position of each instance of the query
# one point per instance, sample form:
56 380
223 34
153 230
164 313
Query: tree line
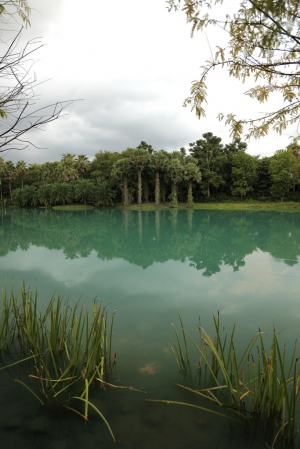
207 170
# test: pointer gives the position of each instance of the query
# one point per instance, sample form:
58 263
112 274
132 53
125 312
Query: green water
148 265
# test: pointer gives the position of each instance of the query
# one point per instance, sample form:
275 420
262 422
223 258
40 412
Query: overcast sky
131 63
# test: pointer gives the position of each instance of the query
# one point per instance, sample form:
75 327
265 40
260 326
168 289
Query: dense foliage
207 171
261 44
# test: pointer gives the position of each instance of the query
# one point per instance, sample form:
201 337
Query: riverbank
247 205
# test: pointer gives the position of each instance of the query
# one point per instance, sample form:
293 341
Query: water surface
148 265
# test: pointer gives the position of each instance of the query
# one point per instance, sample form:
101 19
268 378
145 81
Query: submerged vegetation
66 349
260 388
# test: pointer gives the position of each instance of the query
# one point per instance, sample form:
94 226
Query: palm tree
68 167
175 169
82 163
191 173
104 194
10 174
159 161
62 193
84 190
139 159
21 169
24 196
121 171
68 157
44 195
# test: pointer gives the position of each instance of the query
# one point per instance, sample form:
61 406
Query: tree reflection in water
207 239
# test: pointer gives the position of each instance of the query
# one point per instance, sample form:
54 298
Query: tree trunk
174 202
157 190
9 186
163 192
146 191
190 202
139 187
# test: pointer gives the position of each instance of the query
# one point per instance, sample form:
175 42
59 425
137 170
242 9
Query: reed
69 348
260 387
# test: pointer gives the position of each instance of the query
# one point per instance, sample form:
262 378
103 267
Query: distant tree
10 174
21 169
175 171
102 165
243 174
283 168
140 159
145 146
82 164
44 195
68 168
210 157
159 161
104 194
84 190
24 196
61 193
121 172
229 150
191 173
264 181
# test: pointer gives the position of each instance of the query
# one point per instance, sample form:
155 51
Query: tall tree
68 167
210 157
139 159
159 161
82 164
21 169
263 44
191 174
121 172
10 174
243 174
102 165
84 190
145 146
175 170
283 167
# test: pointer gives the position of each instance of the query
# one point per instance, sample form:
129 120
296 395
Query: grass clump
69 348
260 388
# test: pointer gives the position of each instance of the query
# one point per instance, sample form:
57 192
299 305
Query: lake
148 266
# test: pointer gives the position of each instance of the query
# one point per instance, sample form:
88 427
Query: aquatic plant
69 348
259 388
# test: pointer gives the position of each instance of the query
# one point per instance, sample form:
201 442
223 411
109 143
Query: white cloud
132 63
